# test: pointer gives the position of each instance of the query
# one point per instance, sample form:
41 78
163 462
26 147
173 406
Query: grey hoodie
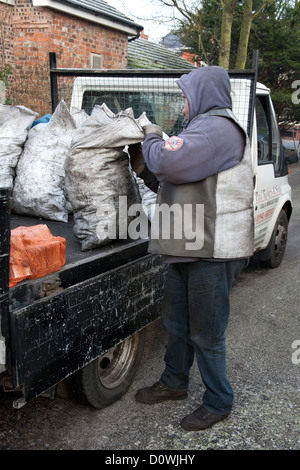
207 145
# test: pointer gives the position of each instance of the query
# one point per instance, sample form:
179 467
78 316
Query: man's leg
179 354
210 284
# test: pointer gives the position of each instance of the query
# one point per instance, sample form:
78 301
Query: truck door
270 172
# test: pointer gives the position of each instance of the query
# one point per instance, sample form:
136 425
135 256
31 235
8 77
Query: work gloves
135 151
152 128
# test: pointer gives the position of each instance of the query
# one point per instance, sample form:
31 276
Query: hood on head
206 88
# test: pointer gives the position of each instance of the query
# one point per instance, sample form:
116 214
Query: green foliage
275 33
4 73
201 35
277 36
4 77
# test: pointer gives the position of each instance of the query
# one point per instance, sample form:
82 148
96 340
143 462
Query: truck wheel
106 379
272 256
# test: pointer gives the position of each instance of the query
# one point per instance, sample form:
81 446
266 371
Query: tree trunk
244 35
227 16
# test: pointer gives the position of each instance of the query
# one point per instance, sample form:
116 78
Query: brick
32 32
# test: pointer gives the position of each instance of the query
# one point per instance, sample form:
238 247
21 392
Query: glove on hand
136 158
150 128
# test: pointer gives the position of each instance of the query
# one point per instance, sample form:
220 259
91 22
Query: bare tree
248 17
188 9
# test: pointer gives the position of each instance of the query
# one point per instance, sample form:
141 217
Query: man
207 164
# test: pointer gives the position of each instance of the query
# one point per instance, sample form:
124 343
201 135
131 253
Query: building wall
38 31
6 34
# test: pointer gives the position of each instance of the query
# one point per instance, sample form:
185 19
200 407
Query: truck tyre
272 256
106 379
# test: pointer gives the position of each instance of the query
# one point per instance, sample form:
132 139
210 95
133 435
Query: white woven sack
39 184
15 122
97 175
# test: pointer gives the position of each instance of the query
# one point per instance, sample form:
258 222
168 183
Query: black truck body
53 326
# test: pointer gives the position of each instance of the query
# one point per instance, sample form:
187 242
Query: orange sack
34 253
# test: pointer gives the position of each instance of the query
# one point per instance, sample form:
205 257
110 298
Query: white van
160 98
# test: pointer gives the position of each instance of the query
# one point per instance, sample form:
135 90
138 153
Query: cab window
269 146
161 108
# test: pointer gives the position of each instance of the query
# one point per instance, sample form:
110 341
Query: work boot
201 419
158 392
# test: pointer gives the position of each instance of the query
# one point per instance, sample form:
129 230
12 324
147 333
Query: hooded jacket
205 175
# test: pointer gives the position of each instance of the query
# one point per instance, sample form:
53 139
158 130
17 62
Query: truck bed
65 230
79 266
61 322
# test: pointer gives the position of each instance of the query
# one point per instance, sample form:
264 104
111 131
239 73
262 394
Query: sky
156 18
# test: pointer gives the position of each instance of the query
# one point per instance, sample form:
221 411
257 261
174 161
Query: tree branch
263 5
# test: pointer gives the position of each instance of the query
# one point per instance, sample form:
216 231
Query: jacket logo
173 143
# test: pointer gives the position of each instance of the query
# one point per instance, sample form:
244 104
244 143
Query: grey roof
143 54
172 41
103 9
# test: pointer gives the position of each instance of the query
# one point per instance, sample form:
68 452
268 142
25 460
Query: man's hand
152 128
136 158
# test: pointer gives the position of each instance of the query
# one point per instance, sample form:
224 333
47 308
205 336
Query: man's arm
139 166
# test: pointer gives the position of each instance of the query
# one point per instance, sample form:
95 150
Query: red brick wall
190 58
38 31
6 34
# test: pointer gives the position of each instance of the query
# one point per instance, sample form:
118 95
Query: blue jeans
195 312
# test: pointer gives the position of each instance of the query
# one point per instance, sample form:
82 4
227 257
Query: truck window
268 137
162 108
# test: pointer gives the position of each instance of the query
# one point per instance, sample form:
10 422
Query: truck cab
272 192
